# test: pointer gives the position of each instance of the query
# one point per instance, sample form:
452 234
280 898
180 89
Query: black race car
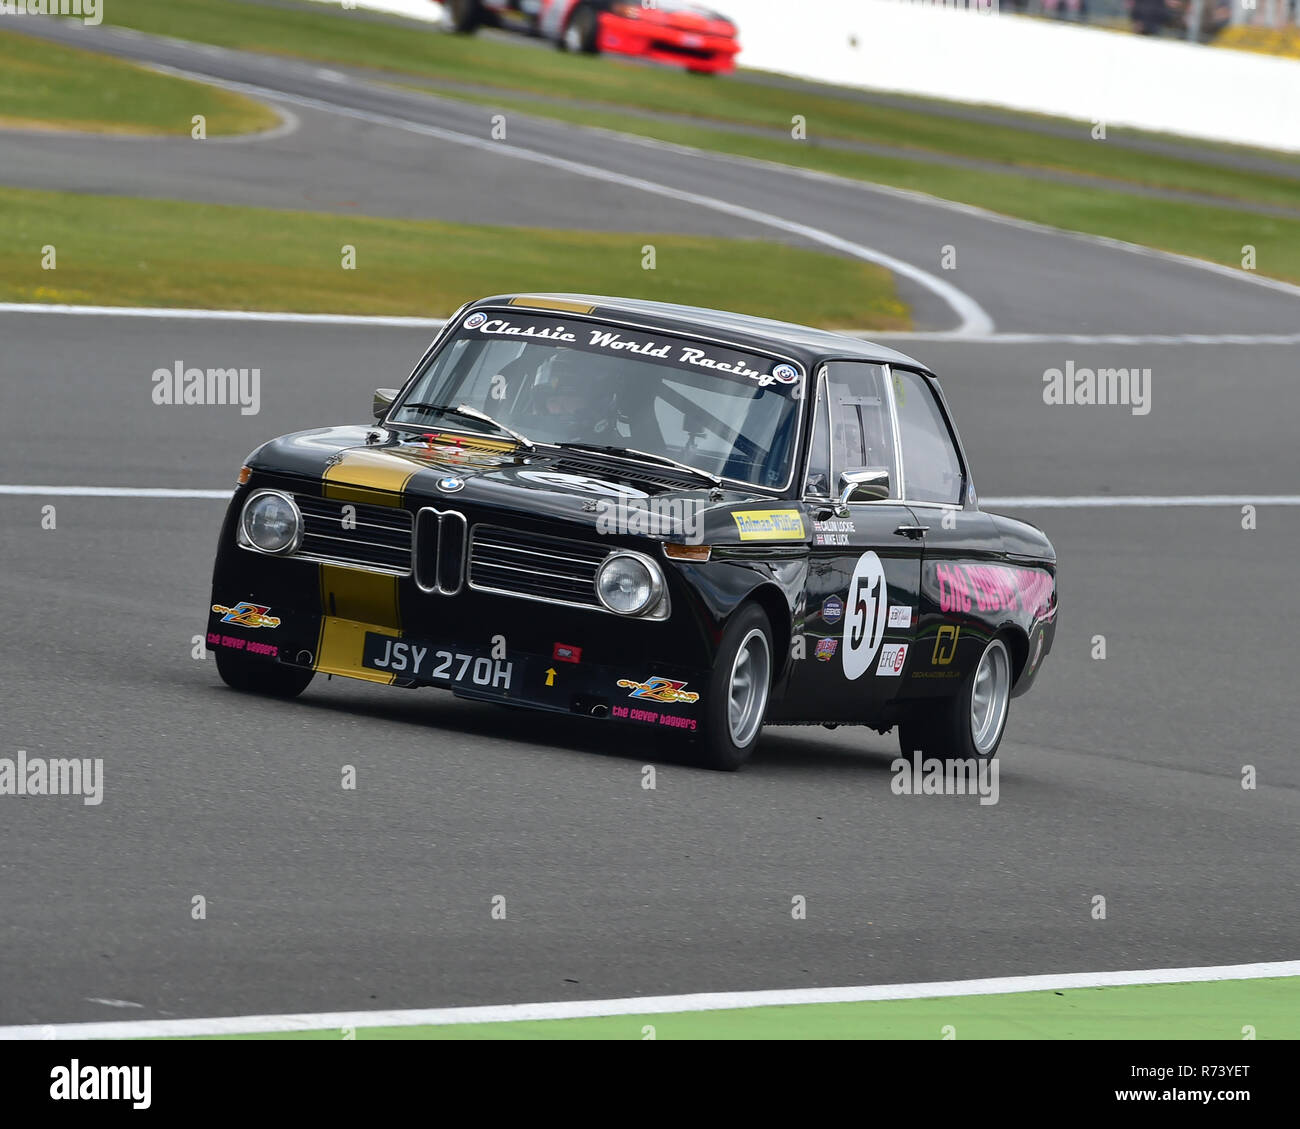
658 516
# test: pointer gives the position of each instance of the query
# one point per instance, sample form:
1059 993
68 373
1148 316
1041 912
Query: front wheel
738 691
261 676
969 725
466 15
581 33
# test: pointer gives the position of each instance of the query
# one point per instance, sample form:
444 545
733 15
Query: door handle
915 532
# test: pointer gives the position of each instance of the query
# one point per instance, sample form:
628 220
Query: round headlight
271 522
629 583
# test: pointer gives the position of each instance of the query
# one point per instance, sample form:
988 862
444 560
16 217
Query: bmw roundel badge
449 484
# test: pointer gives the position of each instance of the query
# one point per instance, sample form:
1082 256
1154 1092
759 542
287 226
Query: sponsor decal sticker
992 588
786 374
659 689
945 645
475 320
826 649
900 615
652 717
566 653
769 525
266 650
244 614
892 658
832 609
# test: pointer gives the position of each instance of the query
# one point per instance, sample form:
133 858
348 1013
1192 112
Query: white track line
648 1005
218 315
1139 501
110 492
971 316
1025 502
381 320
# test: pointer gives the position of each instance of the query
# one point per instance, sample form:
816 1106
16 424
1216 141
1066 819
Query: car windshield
553 380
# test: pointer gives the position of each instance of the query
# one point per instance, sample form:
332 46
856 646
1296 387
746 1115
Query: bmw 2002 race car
668 518
665 31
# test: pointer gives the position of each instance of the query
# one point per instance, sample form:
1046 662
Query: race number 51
864 623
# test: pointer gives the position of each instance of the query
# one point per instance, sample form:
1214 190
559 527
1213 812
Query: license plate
426 662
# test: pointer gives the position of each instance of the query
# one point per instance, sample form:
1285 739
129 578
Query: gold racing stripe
354 602
553 304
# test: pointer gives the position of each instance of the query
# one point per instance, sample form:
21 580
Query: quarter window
931 469
861 433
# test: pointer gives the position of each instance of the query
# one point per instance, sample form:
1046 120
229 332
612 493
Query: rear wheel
970 724
738 691
466 15
581 32
254 676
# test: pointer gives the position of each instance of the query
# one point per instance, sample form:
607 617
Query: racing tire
739 691
969 725
270 679
581 33
466 15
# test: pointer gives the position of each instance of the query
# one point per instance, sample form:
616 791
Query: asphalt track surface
1119 777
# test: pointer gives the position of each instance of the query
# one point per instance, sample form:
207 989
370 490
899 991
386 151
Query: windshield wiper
647 456
473 413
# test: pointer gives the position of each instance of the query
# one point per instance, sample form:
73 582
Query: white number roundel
865 614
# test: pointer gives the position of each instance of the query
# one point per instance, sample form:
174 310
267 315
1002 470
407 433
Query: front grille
377 538
669 48
440 550
534 565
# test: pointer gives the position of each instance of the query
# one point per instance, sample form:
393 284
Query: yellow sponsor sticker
770 525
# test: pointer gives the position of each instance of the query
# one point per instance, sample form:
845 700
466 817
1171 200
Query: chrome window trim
901 492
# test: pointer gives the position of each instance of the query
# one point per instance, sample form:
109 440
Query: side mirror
864 484
383 400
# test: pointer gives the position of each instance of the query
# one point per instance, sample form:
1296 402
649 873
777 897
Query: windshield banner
662 349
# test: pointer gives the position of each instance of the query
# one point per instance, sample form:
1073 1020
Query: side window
931 468
818 482
861 433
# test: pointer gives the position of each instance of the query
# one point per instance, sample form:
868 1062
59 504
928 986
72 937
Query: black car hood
443 469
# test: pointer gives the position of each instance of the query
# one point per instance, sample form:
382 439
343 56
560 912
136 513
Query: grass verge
1205 231
48 86
128 252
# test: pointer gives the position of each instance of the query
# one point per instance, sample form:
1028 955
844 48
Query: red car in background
665 31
